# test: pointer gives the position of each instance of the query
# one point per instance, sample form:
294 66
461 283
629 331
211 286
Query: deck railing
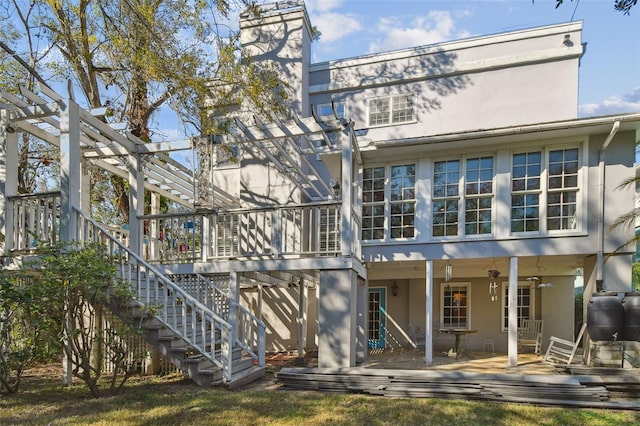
300 230
178 310
35 220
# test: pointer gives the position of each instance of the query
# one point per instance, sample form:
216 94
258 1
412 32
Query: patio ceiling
478 267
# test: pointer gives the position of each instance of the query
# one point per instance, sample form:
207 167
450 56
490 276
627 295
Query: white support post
70 173
428 323
276 234
136 202
85 183
8 179
234 301
337 318
154 231
346 235
363 317
260 296
70 190
205 241
513 312
303 297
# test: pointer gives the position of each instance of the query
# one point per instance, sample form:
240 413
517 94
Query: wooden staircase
208 337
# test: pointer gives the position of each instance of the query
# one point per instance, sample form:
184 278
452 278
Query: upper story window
389 200
391 110
540 202
327 109
475 200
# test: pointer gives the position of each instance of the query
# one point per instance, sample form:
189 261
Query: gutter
601 202
507 131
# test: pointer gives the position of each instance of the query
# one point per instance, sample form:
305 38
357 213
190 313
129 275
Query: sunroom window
391 110
389 202
539 204
475 176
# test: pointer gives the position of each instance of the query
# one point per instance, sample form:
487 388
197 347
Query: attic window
391 110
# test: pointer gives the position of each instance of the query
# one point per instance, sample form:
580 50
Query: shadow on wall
279 313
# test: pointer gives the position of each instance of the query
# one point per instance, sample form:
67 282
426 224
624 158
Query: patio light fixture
394 288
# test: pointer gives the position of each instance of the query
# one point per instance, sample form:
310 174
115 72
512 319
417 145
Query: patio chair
561 351
417 337
530 335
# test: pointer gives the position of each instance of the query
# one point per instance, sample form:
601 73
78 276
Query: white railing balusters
158 289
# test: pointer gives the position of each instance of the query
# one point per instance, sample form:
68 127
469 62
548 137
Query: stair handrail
196 305
248 328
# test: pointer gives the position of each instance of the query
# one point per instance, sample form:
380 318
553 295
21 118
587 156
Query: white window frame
387 202
449 285
504 306
389 121
544 190
462 196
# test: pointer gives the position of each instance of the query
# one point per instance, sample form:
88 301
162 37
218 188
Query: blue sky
609 70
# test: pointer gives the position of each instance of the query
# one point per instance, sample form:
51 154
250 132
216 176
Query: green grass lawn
174 400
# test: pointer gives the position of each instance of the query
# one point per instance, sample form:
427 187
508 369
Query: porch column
154 230
347 234
337 318
303 297
428 321
136 202
85 183
513 312
8 178
361 321
70 173
234 301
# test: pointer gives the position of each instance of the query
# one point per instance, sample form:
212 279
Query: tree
25 333
74 285
627 219
620 5
136 56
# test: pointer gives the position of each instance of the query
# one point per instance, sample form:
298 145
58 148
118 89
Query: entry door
377 320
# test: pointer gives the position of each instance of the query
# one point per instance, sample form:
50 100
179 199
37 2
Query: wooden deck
478 376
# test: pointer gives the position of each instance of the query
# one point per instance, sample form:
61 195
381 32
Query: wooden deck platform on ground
548 390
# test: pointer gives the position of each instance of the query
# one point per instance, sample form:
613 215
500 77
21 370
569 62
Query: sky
609 81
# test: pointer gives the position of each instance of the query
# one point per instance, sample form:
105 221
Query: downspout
601 202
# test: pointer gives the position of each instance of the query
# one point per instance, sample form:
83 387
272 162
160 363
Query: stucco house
446 186
468 158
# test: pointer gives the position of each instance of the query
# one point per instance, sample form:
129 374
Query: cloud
323 5
335 26
628 102
435 27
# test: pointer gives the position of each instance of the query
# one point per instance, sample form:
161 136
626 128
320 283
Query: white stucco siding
486 83
261 183
281 315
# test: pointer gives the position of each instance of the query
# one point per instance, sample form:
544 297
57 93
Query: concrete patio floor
476 362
